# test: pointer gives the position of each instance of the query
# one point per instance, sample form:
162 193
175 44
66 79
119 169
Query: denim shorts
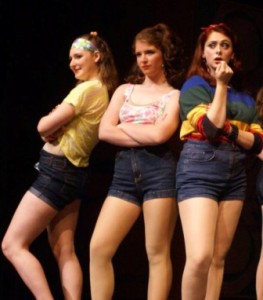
215 171
259 186
142 174
59 182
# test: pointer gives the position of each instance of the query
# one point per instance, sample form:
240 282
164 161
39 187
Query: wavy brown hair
106 65
259 104
198 65
164 39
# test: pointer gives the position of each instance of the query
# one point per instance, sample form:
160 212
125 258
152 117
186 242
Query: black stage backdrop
36 36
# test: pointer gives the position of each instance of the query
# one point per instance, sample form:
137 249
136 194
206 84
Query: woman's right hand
52 138
223 73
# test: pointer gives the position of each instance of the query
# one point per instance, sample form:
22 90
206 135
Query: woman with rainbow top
219 127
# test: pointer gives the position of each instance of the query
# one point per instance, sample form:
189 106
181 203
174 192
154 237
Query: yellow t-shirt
90 100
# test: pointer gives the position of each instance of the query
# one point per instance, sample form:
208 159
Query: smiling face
83 63
149 59
218 47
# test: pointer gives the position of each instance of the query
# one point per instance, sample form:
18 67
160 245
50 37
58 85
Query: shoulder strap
128 91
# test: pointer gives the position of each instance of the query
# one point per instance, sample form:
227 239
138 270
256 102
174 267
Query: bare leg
198 216
227 221
160 218
61 238
114 222
30 219
259 278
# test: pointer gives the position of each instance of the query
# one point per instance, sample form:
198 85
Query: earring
203 61
232 62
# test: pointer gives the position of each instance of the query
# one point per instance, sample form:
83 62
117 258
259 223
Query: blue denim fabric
212 171
142 174
59 182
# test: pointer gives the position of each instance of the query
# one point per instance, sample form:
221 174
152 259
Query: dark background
36 36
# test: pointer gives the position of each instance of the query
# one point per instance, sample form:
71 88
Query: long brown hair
106 65
164 39
198 65
259 104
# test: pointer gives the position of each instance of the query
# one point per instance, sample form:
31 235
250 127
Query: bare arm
245 139
260 155
55 120
108 130
217 110
161 131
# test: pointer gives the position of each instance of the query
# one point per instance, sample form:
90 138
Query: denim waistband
212 145
157 149
50 158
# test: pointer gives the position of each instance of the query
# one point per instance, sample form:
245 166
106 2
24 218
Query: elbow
212 135
209 129
42 129
163 135
159 139
102 134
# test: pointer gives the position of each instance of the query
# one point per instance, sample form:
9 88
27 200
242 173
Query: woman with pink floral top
142 116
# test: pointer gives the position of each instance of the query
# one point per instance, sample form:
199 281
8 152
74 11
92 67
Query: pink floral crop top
142 114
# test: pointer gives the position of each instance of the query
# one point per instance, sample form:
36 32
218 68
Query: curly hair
259 104
198 65
164 39
106 65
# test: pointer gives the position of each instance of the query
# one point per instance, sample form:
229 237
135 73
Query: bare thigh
114 222
30 219
199 218
62 228
160 218
228 217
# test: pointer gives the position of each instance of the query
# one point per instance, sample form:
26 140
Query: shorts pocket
199 155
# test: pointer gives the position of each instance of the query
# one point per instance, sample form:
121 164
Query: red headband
212 26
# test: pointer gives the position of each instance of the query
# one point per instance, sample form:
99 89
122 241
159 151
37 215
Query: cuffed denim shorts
259 186
59 182
142 174
215 171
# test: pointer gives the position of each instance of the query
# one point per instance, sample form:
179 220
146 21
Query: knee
218 261
5 247
99 251
96 249
157 253
199 264
219 256
8 247
63 251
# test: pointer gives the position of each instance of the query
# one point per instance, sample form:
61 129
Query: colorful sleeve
257 130
255 126
249 115
195 99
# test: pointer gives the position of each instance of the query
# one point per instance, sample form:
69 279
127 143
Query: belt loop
51 157
65 161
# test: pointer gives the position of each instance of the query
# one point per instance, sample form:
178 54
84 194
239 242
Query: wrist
227 128
222 84
232 134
